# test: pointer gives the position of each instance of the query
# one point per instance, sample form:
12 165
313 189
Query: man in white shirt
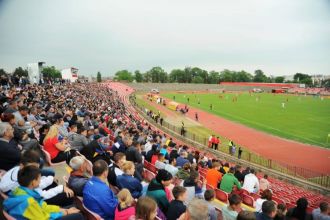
171 167
251 182
54 194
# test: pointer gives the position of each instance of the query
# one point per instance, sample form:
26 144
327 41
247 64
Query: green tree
259 76
242 76
157 75
214 77
19 71
226 76
303 78
197 79
51 72
177 75
279 79
138 76
326 83
2 72
124 75
146 77
99 77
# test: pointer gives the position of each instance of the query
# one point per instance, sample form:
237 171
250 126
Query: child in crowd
209 196
26 203
146 209
177 207
125 208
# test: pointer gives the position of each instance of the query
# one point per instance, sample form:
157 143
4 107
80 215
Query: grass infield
302 118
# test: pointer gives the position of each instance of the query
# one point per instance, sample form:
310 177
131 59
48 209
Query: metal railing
318 178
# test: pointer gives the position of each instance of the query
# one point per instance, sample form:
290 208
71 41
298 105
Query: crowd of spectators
87 127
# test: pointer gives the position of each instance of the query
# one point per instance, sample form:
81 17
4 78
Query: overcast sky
281 37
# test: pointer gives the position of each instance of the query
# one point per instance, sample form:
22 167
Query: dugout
173 105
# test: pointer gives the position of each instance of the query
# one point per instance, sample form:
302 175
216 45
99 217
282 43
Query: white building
70 74
34 71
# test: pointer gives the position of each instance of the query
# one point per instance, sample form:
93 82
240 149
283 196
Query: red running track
278 149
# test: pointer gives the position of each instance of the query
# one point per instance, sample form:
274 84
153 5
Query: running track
278 149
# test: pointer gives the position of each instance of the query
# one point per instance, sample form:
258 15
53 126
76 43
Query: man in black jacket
10 154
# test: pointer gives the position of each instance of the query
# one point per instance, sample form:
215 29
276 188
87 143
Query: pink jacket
124 214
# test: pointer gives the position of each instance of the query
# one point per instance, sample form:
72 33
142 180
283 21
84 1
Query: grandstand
95 125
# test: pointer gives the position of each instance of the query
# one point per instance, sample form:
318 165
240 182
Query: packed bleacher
114 165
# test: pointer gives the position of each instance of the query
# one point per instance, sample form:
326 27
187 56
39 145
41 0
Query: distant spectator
128 181
171 167
177 207
156 189
264 183
300 211
231 211
281 212
146 209
251 182
97 195
268 211
125 208
228 181
226 167
246 215
322 213
265 196
209 197
213 176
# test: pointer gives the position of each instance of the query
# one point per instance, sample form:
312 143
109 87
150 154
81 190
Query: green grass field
305 118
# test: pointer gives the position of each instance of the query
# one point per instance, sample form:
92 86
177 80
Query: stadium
164 110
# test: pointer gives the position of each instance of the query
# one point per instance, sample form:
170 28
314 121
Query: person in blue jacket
128 181
97 195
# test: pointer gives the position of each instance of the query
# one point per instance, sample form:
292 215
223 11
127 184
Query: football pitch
302 118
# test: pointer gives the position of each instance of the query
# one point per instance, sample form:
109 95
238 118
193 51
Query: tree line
198 75
49 72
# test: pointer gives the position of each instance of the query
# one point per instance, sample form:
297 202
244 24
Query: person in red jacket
213 141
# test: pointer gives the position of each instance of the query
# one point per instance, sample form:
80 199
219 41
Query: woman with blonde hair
146 209
128 181
125 208
57 146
